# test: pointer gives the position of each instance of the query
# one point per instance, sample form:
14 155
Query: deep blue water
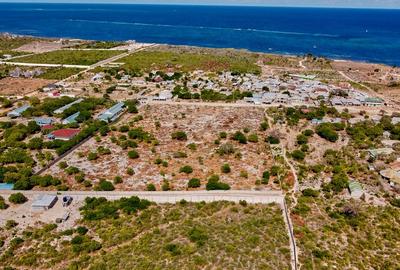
359 34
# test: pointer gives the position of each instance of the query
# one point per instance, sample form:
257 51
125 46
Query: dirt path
286 214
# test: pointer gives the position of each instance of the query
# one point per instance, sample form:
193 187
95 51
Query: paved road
172 196
250 105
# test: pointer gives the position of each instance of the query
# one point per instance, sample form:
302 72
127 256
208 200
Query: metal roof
19 110
44 200
112 112
71 119
62 109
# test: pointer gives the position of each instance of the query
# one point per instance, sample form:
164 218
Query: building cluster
20 73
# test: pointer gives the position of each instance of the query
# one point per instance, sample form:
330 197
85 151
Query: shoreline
284 54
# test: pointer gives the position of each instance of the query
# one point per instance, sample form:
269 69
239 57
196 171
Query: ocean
369 35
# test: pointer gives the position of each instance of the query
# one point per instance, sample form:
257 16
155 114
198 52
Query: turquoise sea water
359 34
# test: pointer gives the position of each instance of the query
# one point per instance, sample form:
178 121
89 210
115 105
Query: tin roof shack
374 153
70 119
44 202
63 134
356 190
18 111
62 109
112 113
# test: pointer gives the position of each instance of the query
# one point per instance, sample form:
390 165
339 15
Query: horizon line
199 4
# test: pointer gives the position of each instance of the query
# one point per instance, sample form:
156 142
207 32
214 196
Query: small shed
356 190
44 202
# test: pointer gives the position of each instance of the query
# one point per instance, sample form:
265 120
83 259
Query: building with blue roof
112 113
70 119
63 108
41 121
18 111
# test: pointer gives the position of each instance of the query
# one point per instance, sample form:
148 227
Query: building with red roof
63 134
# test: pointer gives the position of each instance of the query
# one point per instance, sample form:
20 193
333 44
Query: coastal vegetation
98 45
146 61
346 234
69 57
132 234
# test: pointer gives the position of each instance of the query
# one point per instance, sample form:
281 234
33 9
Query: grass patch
186 62
59 73
69 57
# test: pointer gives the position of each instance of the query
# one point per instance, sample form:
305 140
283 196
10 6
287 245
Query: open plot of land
188 60
69 57
21 86
219 235
333 234
202 126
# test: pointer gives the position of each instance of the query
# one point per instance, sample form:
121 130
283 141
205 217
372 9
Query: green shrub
327 132
226 149
133 154
225 168
198 236
194 183
273 140
186 169
3 204
81 230
240 137
309 192
130 171
298 155
165 186
105 186
192 146
72 170
253 138
11 224
179 135
151 187
62 165
223 135
264 126
117 180
214 184
92 156
17 198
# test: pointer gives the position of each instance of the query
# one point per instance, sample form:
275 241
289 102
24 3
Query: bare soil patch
21 86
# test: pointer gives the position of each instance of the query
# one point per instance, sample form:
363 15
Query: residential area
92 132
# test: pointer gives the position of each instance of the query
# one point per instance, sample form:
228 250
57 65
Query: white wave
208 27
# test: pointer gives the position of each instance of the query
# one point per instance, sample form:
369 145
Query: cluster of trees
293 115
328 131
183 92
23 178
100 208
365 133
